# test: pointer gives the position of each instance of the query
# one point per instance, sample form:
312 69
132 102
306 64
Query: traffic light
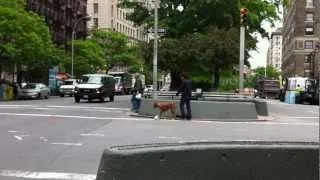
244 16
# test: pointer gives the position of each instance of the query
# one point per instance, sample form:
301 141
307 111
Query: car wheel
90 100
101 99
47 96
61 95
111 98
76 99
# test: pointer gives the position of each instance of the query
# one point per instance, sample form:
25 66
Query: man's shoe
189 118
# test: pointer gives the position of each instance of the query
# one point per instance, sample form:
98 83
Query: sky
259 57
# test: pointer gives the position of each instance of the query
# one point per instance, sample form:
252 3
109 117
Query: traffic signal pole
241 62
243 23
155 52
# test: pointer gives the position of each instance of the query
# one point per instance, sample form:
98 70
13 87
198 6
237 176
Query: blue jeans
135 103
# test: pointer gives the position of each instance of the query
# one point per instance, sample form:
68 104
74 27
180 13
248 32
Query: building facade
61 17
300 36
107 15
275 49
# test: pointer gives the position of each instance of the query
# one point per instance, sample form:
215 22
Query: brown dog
166 107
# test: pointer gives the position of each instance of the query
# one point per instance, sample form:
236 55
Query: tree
271 73
14 4
89 58
117 49
204 48
25 40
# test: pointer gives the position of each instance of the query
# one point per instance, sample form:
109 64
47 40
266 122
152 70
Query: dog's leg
173 113
160 114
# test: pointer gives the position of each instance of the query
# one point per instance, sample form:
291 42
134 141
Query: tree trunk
216 82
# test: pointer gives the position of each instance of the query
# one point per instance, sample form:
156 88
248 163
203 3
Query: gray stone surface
237 110
207 161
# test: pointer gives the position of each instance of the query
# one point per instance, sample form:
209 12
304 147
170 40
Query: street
59 139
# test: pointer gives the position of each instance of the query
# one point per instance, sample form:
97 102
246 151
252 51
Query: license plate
85 96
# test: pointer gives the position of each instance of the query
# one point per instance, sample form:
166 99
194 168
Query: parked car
34 91
95 86
68 87
148 88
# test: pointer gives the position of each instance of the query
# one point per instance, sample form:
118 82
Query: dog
164 108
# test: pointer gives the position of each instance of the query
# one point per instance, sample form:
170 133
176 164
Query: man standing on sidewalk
137 94
186 92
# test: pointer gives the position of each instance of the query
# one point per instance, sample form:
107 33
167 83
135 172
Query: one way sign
160 31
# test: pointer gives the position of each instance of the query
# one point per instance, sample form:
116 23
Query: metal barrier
198 96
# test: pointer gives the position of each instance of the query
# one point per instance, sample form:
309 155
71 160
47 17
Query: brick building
275 49
300 36
61 16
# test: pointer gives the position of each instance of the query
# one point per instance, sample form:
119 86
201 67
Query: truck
267 88
125 82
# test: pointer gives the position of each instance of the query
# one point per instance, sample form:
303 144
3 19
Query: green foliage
271 73
89 58
14 4
117 50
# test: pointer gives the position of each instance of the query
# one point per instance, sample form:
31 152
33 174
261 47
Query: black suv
95 86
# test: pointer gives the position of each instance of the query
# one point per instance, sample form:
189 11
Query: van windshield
91 79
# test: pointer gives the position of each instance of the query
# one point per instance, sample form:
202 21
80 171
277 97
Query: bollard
214 160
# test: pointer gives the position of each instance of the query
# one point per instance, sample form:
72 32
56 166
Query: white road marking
44 139
88 107
209 121
304 117
73 117
8 105
14 131
41 108
66 144
46 175
92 134
20 137
166 137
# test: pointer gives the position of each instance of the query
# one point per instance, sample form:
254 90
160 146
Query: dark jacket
185 89
138 86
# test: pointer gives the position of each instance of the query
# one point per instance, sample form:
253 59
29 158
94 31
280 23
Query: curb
259 118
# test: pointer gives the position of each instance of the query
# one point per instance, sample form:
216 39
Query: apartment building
61 16
275 49
106 15
300 36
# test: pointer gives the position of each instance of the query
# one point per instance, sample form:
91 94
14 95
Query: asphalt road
58 139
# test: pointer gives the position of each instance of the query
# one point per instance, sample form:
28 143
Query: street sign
160 31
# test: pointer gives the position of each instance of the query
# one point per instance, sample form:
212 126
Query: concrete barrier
223 161
224 109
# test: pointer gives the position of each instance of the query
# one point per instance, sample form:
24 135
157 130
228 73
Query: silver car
34 91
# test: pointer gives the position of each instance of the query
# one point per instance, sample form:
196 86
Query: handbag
138 96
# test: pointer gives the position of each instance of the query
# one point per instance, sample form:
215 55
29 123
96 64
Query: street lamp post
155 50
72 39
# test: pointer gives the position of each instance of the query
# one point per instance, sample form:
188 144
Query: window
95 22
299 44
306 59
309 17
309 30
95 8
309 3
308 44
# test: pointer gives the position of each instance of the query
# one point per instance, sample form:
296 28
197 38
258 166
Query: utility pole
243 22
86 18
155 51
